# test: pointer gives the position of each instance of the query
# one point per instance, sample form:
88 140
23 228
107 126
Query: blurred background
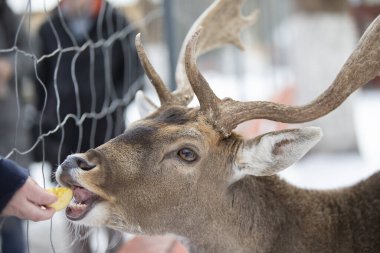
292 54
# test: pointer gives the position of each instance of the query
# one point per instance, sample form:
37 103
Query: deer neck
279 217
266 214
241 219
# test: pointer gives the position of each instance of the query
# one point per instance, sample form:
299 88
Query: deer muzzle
68 175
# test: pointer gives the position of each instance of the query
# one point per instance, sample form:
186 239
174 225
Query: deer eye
187 155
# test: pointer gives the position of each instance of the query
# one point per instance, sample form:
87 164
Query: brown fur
149 190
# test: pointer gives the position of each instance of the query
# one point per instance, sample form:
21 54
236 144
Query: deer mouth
82 202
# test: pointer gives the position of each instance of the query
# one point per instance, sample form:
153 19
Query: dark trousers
12 235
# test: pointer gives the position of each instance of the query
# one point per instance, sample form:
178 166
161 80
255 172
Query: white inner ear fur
144 104
270 153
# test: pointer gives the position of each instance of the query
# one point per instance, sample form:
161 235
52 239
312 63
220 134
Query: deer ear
144 104
270 153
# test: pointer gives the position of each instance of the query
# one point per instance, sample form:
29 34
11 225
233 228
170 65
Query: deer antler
163 93
222 24
361 67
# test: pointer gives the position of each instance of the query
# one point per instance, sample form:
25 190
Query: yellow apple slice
64 196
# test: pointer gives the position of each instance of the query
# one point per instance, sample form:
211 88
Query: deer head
172 171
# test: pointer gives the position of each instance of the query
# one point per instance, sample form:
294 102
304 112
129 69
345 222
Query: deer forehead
171 125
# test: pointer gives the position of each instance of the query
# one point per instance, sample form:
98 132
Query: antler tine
361 67
207 99
163 93
221 24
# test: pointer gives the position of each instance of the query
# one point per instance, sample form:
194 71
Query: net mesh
112 103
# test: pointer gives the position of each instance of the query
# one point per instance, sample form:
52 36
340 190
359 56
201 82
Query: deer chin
81 204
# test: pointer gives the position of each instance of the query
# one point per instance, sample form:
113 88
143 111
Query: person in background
14 69
87 78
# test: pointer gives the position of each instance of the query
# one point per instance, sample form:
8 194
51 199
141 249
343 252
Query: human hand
29 203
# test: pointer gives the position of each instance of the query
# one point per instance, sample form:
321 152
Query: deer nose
72 162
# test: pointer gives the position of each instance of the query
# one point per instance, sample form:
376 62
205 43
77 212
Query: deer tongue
82 202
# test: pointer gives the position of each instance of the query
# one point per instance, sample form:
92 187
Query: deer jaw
144 186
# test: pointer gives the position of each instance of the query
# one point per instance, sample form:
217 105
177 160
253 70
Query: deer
184 171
